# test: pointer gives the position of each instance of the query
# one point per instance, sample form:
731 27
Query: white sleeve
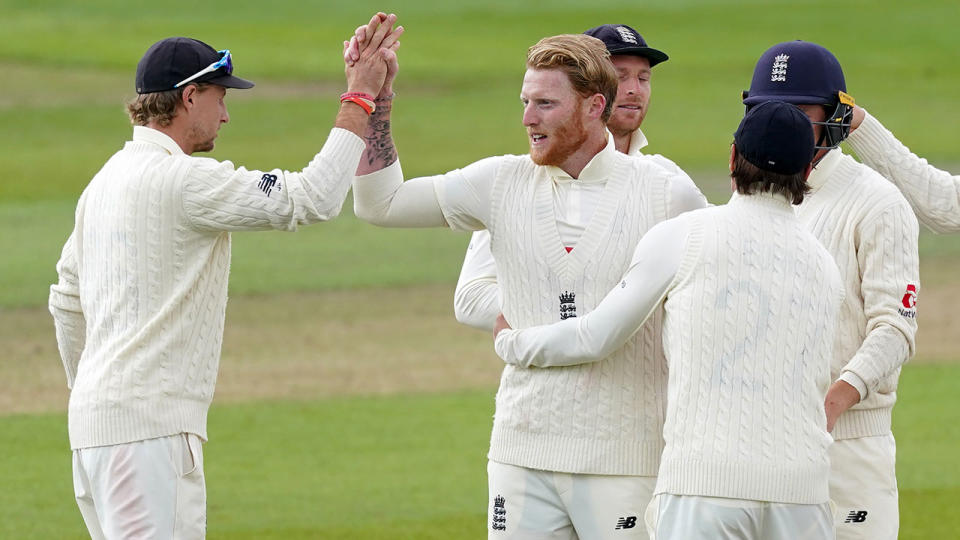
476 301
216 196
597 334
933 194
64 305
459 199
684 194
889 265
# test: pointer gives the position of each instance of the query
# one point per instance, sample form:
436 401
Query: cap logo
626 35
779 71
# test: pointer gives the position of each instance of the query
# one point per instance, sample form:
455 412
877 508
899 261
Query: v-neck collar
572 263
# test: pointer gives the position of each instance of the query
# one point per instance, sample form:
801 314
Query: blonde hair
157 106
585 60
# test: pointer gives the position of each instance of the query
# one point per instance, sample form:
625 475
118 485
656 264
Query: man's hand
840 397
858 115
368 71
500 324
351 54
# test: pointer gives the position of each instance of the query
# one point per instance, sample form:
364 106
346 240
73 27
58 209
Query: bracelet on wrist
364 100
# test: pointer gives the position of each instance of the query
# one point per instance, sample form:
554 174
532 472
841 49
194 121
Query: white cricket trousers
152 489
689 517
863 484
530 504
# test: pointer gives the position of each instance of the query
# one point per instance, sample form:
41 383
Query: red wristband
366 104
361 95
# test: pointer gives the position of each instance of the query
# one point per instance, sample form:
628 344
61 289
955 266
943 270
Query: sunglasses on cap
225 61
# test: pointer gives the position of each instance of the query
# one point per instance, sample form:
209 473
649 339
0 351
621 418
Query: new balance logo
499 521
856 516
267 183
628 522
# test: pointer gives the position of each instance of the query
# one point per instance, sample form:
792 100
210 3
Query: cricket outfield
350 404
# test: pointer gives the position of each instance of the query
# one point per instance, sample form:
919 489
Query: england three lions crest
568 306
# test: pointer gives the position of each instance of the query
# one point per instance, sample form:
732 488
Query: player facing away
751 301
934 194
476 301
139 305
870 229
573 452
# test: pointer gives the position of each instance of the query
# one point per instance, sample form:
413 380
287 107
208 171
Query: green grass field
320 430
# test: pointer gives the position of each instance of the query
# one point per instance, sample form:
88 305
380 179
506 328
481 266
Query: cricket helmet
804 73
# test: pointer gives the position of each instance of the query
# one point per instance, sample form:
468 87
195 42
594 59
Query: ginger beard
563 142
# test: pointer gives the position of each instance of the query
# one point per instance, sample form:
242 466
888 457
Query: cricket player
870 229
934 194
139 305
574 451
751 300
476 301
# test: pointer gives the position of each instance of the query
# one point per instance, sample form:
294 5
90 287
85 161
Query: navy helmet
804 73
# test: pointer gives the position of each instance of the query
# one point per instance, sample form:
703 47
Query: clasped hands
370 56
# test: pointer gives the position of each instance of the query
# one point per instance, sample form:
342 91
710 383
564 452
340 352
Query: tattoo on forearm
380 151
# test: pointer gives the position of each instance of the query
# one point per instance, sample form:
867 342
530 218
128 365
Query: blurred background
350 403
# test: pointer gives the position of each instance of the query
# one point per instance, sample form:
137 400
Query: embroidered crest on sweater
568 307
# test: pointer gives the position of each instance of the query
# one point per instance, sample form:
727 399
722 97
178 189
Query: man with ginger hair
574 450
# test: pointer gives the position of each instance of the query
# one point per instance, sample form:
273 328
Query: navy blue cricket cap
171 60
621 39
798 72
776 137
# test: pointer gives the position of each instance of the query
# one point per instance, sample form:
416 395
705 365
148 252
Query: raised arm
476 301
217 196
619 315
933 194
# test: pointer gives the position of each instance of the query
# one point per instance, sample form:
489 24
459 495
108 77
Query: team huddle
673 370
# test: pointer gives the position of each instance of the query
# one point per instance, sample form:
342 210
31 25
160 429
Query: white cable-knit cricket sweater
751 302
870 230
934 194
604 418
139 306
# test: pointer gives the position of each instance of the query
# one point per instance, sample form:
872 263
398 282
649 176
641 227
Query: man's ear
597 104
733 155
189 96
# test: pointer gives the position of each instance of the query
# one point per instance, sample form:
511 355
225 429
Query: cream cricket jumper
870 230
140 302
476 300
751 306
604 418
933 194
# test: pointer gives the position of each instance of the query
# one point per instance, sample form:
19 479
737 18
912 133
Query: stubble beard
203 141
568 139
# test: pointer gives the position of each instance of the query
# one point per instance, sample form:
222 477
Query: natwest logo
910 298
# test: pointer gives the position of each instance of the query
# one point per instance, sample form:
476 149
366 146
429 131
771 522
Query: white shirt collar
159 138
637 141
822 172
597 169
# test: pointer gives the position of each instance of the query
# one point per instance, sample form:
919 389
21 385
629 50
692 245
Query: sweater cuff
855 381
871 138
343 142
